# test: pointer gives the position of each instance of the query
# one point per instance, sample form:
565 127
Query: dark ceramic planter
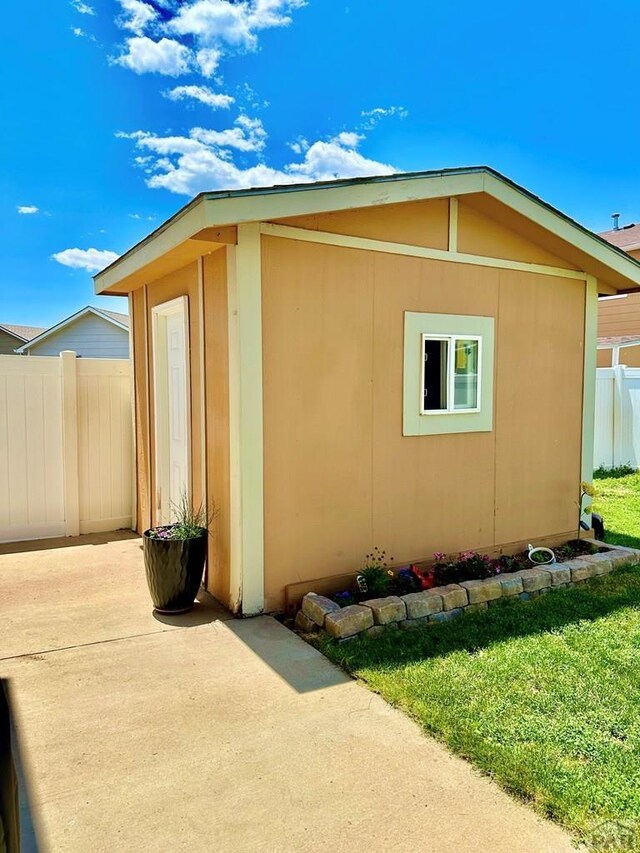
174 570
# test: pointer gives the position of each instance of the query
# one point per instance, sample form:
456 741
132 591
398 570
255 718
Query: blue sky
115 112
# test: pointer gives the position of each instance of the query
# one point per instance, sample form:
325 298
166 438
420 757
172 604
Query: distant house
12 337
90 332
619 316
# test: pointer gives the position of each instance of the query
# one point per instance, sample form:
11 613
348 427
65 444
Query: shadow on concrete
66 542
302 667
17 825
205 611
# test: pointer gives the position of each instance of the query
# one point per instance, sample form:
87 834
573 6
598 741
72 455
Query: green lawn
543 695
618 501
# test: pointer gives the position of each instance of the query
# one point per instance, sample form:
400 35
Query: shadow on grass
613 537
614 473
508 619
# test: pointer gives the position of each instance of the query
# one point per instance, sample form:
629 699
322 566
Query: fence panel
617 422
104 444
65 446
31 471
603 434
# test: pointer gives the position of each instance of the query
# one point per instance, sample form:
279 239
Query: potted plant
174 558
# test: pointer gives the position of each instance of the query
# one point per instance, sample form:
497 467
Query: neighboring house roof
627 237
120 320
180 239
123 319
618 341
25 333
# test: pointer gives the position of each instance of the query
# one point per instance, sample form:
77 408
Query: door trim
180 305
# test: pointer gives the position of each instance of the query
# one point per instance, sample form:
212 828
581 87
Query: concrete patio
205 733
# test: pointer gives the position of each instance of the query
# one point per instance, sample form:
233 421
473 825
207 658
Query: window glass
436 357
465 371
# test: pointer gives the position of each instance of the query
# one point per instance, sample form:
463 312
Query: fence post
70 442
618 414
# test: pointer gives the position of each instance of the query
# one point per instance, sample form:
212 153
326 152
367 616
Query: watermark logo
613 836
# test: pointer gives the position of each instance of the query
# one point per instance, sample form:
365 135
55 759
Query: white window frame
451 375
467 326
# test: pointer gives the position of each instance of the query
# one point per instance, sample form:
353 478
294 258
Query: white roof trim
210 210
67 322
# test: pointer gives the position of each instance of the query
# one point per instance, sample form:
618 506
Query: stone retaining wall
447 602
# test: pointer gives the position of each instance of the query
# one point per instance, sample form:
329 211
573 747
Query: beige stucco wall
479 234
419 223
339 475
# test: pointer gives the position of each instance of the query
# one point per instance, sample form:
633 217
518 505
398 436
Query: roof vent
615 217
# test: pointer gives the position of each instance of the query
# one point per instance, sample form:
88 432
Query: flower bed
380 579
371 612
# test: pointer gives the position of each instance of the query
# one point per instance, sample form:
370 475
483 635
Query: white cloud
27 209
165 56
83 8
195 34
204 160
247 135
348 138
136 16
91 260
80 33
208 59
374 116
299 145
216 22
325 161
215 100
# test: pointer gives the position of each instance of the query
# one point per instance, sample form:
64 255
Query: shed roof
201 225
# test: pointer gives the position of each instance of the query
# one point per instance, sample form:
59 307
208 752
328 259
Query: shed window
447 373
451 370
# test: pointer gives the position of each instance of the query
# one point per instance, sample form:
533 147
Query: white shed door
176 372
172 406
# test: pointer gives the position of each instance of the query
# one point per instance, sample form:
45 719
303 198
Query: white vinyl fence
617 427
65 446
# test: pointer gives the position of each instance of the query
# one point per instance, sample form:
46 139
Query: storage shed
405 361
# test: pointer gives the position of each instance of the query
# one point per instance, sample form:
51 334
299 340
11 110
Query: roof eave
211 210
